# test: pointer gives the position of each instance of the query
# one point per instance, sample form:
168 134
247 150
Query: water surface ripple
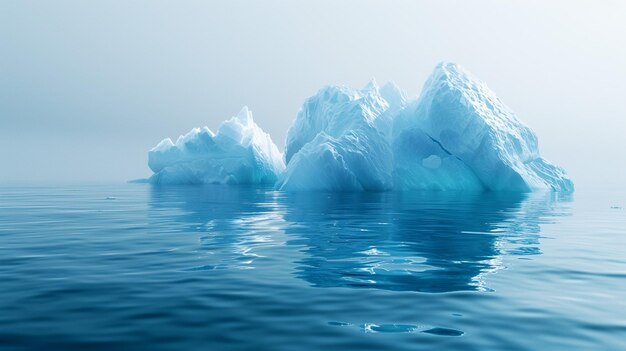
135 266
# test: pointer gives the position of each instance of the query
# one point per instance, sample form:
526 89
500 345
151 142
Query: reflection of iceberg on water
404 241
233 223
413 241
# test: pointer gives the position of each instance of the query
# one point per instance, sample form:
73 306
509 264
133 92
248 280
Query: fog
87 88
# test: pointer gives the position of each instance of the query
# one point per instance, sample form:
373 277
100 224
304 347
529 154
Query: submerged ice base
456 136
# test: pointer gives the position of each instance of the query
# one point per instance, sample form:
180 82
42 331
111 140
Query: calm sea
134 266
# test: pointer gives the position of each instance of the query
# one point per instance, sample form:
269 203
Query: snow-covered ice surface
456 136
240 153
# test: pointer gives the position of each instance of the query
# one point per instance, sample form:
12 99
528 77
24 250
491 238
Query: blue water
224 268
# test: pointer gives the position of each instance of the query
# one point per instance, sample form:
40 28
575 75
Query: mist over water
87 88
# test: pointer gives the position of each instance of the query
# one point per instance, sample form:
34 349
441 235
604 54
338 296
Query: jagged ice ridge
240 153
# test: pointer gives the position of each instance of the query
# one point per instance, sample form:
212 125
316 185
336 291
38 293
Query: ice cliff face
456 136
477 132
240 153
338 141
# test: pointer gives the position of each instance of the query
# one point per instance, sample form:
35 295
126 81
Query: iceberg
476 132
338 143
239 153
457 135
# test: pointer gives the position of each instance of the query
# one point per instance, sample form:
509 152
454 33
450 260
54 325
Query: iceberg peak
334 143
370 86
245 115
395 97
467 120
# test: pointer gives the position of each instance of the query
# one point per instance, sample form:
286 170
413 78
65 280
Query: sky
88 87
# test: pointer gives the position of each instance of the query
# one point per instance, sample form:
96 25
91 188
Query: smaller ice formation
240 153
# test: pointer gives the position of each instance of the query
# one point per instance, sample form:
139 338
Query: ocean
136 266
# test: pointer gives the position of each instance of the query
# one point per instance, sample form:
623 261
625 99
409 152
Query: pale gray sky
87 87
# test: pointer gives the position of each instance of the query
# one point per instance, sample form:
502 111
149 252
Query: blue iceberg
456 136
487 145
